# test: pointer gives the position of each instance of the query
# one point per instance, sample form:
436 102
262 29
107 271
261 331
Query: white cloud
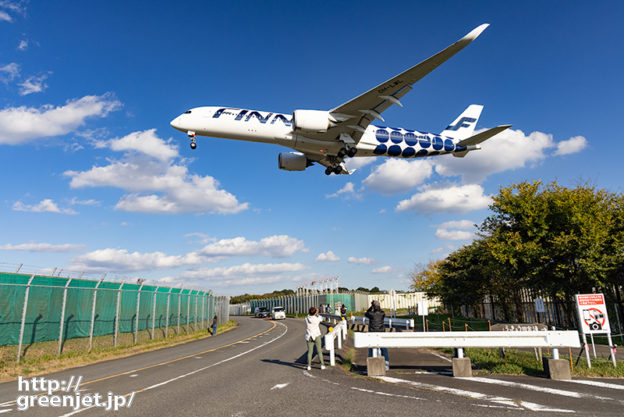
348 188
328 256
13 6
91 202
506 151
145 142
4 16
398 175
458 224
279 246
178 191
360 261
445 234
23 45
449 199
382 269
572 145
120 260
22 124
243 270
9 72
43 247
357 163
45 206
255 281
33 84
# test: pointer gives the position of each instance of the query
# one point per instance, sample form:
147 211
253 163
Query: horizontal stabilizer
483 136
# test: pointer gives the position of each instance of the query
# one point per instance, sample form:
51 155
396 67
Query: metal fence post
60 339
195 318
93 314
19 347
117 314
153 313
179 302
136 321
203 305
188 309
167 318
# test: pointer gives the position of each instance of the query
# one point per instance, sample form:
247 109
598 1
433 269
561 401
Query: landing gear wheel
351 152
328 170
193 145
338 170
342 153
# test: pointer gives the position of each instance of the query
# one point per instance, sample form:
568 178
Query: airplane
328 136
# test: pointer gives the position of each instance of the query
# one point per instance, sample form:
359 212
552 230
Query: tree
362 289
425 278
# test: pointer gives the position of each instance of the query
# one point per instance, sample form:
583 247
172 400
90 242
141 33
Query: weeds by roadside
41 357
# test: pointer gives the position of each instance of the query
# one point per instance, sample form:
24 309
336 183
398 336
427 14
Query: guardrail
461 340
334 318
388 321
337 334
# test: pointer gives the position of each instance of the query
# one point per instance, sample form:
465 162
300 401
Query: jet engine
292 161
312 120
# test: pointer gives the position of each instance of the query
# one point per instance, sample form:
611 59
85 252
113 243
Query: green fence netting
158 307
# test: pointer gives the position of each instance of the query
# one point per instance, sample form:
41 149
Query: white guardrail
388 321
338 334
478 339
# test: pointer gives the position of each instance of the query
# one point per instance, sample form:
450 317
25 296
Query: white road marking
195 371
441 356
198 357
553 391
386 393
8 403
433 373
280 386
306 373
134 375
476 395
596 383
5 411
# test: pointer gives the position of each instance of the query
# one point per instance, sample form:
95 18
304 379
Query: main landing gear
350 152
336 170
191 135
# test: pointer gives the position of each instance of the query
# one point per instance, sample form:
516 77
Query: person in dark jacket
215 320
343 311
376 316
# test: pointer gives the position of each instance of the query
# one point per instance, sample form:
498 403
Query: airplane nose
175 123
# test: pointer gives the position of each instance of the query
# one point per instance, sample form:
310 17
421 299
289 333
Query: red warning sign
592 311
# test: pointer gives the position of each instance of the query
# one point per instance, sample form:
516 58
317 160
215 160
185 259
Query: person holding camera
376 316
313 336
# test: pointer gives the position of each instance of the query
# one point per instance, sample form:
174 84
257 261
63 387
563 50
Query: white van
278 313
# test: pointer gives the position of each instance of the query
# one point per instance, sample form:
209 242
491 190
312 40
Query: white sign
592 311
423 308
539 305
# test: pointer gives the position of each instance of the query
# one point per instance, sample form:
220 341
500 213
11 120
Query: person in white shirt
313 336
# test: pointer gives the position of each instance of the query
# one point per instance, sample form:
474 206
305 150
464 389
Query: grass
489 361
41 358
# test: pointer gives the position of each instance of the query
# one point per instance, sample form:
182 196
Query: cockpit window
187 112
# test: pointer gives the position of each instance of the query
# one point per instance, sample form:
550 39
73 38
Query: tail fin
472 143
464 125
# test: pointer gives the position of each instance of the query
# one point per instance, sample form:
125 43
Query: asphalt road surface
258 369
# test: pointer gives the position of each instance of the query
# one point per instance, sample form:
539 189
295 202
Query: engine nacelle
312 120
292 161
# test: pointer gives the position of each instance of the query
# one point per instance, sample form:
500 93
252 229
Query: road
258 369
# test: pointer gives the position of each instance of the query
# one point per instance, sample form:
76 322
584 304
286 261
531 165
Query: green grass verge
489 361
41 358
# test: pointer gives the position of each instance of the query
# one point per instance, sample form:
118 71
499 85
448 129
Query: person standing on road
214 325
313 336
376 316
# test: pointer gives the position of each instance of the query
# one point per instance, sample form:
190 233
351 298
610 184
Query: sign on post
592 311
539 305
423 308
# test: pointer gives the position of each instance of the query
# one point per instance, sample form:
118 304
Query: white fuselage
256 126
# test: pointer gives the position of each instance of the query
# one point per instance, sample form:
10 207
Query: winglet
474 33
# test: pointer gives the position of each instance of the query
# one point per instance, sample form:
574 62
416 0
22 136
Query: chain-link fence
37 308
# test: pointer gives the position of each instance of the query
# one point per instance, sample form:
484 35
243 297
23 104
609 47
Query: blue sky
94 179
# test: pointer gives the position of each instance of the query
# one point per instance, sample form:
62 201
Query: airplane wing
354 116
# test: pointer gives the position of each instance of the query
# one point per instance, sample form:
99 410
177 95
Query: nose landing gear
191 135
